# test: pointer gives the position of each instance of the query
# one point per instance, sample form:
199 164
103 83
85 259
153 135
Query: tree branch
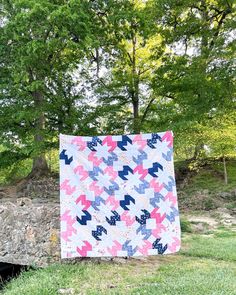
146 110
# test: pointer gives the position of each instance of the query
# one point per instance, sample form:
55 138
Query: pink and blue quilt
118 195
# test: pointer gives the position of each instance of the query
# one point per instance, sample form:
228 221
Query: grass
218 246
205 265
204 189
185 226
206 180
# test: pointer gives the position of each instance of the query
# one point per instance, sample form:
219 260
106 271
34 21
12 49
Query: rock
225 195
205 192
66 291
2 194
199 227
23 201
111 286
233 211
29 232
120 260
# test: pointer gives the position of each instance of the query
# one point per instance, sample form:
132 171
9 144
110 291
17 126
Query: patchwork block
118 195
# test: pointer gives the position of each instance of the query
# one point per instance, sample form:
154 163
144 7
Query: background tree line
111 67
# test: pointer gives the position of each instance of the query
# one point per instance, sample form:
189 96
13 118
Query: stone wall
29 221
29 232
29 225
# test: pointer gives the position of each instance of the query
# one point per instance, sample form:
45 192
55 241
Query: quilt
118 195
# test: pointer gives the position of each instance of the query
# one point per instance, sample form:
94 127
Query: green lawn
218 246
206 265
206 179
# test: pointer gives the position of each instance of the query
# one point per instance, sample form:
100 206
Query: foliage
185 226
88 67
42 42
210 178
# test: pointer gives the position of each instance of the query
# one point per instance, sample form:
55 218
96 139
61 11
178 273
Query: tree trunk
136 123
135 89
225 171
40 166
197 150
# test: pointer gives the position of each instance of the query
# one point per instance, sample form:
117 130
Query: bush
209 204
185 226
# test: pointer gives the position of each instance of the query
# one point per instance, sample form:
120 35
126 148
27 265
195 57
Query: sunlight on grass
176 275
221 245
194 271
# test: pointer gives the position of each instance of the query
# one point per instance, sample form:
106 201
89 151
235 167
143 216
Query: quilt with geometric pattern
118 195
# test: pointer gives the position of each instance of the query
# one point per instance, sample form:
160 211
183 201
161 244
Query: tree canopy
91 67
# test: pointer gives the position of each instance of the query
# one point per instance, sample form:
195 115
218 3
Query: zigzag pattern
112 188
95 160
130 250
82 199
81 171
111 143
140 141
144 231
143 172
175 245
91 144
70 230
126 202
143 218
127 218
64 157
110 159
115 248
85 218
83 251
172 198
67 188
78 141
156 186
145 248
118 195
141 188
154 169
124 142
97 202
98 232
126 170
159 246
97 190
113 219
113 202
171 216
155 138
168 137
111 172
157 216
167 156
170 185
95 173
156 200
140 158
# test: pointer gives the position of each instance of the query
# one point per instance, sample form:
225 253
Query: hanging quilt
118 195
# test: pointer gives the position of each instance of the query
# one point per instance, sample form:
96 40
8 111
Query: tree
147 76
124 87
198 69
118 66
196 79
41 41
